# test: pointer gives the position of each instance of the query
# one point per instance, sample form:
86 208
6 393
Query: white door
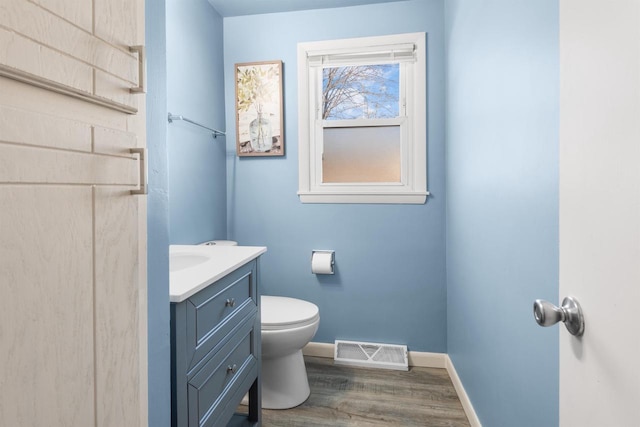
600 210
72 236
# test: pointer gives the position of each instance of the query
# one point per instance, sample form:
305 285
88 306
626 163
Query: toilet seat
279 313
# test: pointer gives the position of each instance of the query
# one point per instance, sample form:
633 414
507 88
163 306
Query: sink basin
180 261
194 267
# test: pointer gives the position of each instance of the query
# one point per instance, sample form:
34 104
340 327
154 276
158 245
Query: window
362 120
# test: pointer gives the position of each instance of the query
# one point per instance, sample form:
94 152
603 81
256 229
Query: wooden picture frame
259 109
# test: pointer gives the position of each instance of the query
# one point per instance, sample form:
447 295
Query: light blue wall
195 89
157 217
187 176
502 192
390 284
502 205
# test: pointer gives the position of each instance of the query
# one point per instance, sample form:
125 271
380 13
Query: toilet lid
284 312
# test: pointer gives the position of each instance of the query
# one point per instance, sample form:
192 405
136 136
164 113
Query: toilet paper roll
321 263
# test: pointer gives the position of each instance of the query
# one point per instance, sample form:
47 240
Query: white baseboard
416 358
423 359
319 349
462 394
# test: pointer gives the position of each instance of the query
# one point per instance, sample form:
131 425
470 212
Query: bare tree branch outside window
360 92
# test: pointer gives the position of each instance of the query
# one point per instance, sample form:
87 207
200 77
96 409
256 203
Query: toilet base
284 381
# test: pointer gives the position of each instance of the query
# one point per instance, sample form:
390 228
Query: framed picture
259 110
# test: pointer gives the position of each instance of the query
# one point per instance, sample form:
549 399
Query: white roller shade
363 56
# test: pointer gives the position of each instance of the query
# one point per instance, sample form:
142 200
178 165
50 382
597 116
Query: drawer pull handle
231 302
141 69
142 157
232 368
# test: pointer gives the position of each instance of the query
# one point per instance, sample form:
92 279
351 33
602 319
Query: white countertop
222 261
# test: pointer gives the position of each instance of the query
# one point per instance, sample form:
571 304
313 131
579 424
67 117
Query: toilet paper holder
322 251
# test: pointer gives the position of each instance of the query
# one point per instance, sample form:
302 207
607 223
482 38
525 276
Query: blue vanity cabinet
215 352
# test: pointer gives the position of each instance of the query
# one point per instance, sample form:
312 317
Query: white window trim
413 188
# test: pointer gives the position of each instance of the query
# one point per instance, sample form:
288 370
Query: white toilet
288 324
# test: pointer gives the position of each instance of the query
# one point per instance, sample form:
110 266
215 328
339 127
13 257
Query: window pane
361 92
361 154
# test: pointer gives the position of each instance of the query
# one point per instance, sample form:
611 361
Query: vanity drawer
212 313
210 391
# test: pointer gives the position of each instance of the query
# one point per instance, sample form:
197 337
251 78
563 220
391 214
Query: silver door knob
547 314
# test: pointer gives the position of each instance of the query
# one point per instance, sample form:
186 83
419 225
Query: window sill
413 198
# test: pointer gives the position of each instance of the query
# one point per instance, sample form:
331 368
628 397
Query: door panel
19 126
112 141
112 88
79 12
19 53
45 49
16 165
115 22
116 310
20 96
46 313
72 236
600 210
51 30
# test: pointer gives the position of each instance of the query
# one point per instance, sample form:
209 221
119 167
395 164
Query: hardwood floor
344 396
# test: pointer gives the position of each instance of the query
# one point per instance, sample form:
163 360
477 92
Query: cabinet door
78 48
72 236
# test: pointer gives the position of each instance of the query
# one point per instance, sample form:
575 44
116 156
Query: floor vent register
371 355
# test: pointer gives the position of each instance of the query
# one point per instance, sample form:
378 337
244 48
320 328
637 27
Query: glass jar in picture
260 134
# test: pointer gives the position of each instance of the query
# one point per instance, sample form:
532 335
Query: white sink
194 267
180 261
